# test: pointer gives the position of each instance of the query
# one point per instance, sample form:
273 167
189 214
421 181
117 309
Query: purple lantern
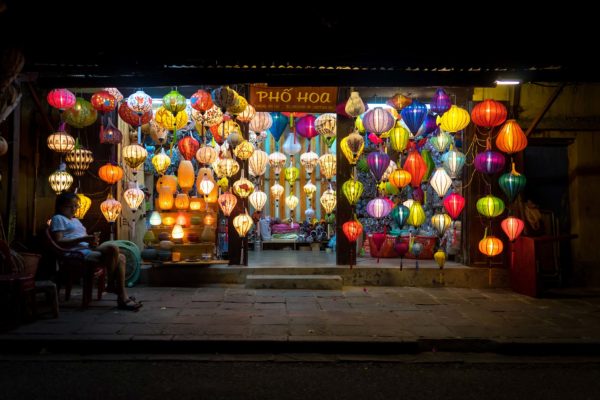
489 162
441 102
414 115
306 127
378 162
418 194
379 208
429 125
378 120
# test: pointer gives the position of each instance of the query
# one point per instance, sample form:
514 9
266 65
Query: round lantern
238 106
213 116
441 222
242 224
378 208
161 162
188 146
490 206
276 191
306 127
84 205
415 165
354 106
490 246
309 190
400 214
329 200
244 150
489 113
133 196
206 155
174 102
201 101
61 141
110 134
247 115
399 137
352 230
378 162
453 161
82 114
291 201
134 155
61 99
182 201
327 163
261 122
243 187
489 162
185 175
110 173
155 219
441 141
168 120
257 163
378 120
224 97
454 120
441 102
276 161
511 138
352 189
165 198
512 183
440 258
115 93
139 102
79 160
222 131
413 116
440 182
454 204
399 101
326 124
309 160
400 178
416 216
103 101
132 118
227 202
111 209
513 227
258 199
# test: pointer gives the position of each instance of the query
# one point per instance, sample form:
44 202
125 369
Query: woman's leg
110 257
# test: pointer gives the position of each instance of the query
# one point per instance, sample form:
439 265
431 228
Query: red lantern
513 227
131 117
103 101
201 101
61 99
454 203
416 166
188 146
352 230
489 113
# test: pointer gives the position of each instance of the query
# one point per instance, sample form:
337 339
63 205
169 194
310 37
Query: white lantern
155 219
257 163
328 200
277 161
261 122
111 208
291 145
60 180
206 185
242 224
177 232
327 163
133 196
354 106
309 190
408 203
139 102
441 222
291 201
206 155
309 161
276 191
440 181
258 199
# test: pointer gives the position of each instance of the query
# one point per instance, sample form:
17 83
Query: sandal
128 304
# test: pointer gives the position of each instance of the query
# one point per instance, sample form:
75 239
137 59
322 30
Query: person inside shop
70 233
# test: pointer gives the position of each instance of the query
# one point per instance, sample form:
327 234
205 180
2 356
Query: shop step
327 282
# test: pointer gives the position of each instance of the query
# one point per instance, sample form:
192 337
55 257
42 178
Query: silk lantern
440 182
490 246
511 138
276 191
378 162
309 190
60 180
309 160
428 159
327 163
227 202
429 125
441 222
490 206
110 134
378 208
227 167
454 120
79 160
399 137
174 102
400 178
201 101
132 118
416 216
291 174
378 120
168 120
453 161
413 116
224 97
440 258
277 161
110 173
352 147
489 161
243 223
133 196
257 163
206 155
454 204
441 102
326 124
61 99
354 105
61 142
82 114
399 101
291 145
207 183
261 122
111 209
161 162
139 102
400 214
134 155
185 175
244 150
103 101
416 166
115 93
306 127
512 227
329 200
512 183
291 201
488 113
258 199
278 125
352 230
84 205
188 146
247 115
243 187
441 141
352 189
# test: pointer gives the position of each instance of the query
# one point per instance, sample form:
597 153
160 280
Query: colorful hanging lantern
79 160
388 171
182 201
207 183
244 150
167 180
110 134
440 258
306 127
139 102
416 216
379 208
454 120
132 118
110 173
174 102
418 194
111 209
165 197
490 246
60 180
378 163
243 187
489 162
115 93
134 155
201 101
224 97
233 140
168 120
240 104
61 99
354 106
185 175
400 178
206 155
291 174
489 113
441 222
84 205
242 224
133 196
440 182
227 202
329 200
453 161
490 206
413 116
195 203
428 159
352 189
261 122
227 167
161 162
327 164
400 214
441 141
257 163
408 203
441 102
415 165
352 230
512 184
513 227
82 114
103 101
352 147
309 160
429 125
247 115
326 124
454 204
258 199
276 191
222 131
399 137
291 201
278 125
61 142
399 101
511 138
291 145
188 146
211 117
309 190
378 120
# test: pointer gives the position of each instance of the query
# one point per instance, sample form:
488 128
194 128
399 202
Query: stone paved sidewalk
371 314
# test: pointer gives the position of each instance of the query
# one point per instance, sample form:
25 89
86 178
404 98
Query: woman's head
66 204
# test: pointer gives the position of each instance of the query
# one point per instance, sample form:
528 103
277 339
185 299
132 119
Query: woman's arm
59 238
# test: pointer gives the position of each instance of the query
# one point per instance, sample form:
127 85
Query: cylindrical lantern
110 173
454 203
441 222
182 201
454 120
227 202
440 181
161 162
489 113
513 227
165 198
490 246
511 138
133 196
352 189
111 208
490 206
60 180
185 175
328 200
61 99
258 199
195 203
167 180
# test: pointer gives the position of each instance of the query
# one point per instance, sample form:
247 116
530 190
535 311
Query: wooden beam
547 106
344 127
13 183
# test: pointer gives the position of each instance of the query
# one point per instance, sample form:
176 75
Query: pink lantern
61 99
306 127
378 207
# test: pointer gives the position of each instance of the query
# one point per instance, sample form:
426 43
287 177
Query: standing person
68 232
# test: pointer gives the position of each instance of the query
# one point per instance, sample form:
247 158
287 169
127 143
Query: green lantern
358 124
174 102
490 206
512 184
400 214
441 141
390 189
362 164
291 174
352 190
399 136
82 114
426 154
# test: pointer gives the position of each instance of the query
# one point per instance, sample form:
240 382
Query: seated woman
68 232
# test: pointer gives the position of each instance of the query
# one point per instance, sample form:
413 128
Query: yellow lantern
195 203
441 222
168 120
84 205
309 190
182 201
206 155
227 167
243 223
277 161
358 125
244 150
490 206
60 180
168 220
185 175
238 106
276 191
155 219
161 162
227 202
291 174
440 181
258 199
177 232
309 160
79 160
291 201
416 215
167 180
111 208
352 147
352 189
133 196
223 183
134 155
165 198
454 120
399 137
328 200
243 187
61 141
248 113
328 164
400 178
440 258
257 163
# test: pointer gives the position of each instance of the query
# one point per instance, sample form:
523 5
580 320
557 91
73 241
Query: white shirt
71 228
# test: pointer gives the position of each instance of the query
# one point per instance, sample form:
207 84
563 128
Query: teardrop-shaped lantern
454 204
258 199
441 102
489 113
111 208
453 161
243 223
441 141
413 116
512 184
291 201
309 190
352 147
355 105
454 120
400 214
511 138
276 191
329 200
309 161
441 182
227 202
513 227
277 161
440 258
133 196
84 205
416 217
188 146
291 145
378 120
257 163
352 230
490 206
161 162
378 162
327 164
416 166
352 189
441 222
243 187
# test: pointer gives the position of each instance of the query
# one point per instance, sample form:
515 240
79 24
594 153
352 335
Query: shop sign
299 99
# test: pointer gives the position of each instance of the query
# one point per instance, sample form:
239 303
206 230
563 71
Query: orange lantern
491 246
110 173
182 201
111 208
195 203
352 230
511 138
181 220
103 101
167 180
188 146
400 178
168 220
416 167
227 202
488 113
513 227
185 175
165 198
209 218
